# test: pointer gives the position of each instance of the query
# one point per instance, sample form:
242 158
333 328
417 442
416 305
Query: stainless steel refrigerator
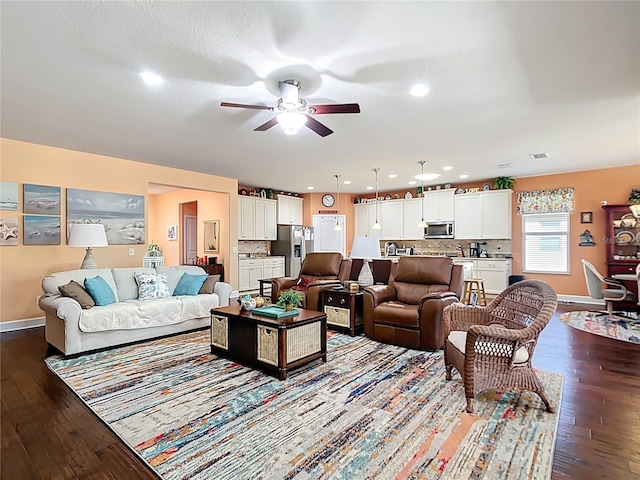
294 242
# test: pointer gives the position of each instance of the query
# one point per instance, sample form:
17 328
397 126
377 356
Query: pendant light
376 226
338 227
422 223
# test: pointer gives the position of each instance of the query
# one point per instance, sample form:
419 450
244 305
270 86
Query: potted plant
289 299
634 200
504 183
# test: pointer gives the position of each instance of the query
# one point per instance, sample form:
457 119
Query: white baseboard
580 299
21 324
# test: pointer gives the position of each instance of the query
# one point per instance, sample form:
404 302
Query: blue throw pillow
99 290
189 284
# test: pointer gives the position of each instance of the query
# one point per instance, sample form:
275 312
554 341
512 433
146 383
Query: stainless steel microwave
439 230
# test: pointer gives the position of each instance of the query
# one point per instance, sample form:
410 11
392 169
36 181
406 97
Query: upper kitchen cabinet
391 219
364 217
289 210
483 215
412 214
439 205
256 218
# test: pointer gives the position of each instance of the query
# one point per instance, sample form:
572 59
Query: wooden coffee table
275 345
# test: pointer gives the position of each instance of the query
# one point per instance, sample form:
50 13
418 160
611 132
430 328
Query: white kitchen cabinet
391 219
483 215
364 218
246 218
253 269
439 205
494 272
411 216
289 210
256 218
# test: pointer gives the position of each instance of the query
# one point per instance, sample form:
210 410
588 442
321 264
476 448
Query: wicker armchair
492 346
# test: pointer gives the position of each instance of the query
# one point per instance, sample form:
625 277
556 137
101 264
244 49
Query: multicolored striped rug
372 411
614 326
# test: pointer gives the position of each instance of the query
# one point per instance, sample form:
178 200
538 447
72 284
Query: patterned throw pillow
99 290
189 284
152 285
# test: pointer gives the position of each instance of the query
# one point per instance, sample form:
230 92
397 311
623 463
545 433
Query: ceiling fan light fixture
291 121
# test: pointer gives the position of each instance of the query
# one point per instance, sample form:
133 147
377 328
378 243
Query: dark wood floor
48 433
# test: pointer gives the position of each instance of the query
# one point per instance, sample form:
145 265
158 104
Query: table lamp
87 235
365 248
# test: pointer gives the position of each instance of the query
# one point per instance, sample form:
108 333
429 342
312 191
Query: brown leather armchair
319 269
408 311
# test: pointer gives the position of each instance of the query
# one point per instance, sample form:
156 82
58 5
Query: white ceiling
507 79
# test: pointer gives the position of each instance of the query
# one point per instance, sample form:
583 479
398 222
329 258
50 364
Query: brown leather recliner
408 311
318 270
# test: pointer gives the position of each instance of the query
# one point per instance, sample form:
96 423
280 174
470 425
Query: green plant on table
289 297
503 183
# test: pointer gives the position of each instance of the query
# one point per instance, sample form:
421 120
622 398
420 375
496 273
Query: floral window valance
545 201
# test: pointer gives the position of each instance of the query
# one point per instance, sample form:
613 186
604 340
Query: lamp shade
87 235
365 247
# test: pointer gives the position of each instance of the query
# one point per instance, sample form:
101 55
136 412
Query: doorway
326 238
189 245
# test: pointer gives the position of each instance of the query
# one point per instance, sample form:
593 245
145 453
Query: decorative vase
366 276
288 307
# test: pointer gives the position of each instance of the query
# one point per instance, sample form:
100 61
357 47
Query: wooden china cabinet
623 246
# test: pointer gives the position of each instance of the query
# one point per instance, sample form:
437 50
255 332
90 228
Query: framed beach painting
41 199
41 230
212 236
8 231
121 214
8 196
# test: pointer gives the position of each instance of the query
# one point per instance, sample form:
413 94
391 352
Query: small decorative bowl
248 304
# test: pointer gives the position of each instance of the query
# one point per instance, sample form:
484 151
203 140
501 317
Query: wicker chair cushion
459 339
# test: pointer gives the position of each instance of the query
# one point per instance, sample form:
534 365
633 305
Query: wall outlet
234 249
132 252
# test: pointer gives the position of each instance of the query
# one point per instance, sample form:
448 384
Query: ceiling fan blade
289 92
266 125
336 108
241 105
317 127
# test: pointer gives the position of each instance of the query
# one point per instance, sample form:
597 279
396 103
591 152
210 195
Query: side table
343 309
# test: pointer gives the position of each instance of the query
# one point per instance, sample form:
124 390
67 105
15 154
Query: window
546 241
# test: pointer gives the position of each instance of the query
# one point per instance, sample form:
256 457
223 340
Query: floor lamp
88 235
365 248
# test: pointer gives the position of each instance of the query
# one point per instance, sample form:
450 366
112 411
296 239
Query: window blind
546 243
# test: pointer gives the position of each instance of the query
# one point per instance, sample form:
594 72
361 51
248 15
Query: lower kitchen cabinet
251 270
494 272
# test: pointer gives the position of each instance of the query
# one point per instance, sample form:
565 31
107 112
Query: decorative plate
486 187
624 238
628 220
460 190
243 192
387 196
396 196
447 185
408 195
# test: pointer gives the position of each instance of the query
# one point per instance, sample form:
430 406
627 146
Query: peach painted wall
206 206
23 267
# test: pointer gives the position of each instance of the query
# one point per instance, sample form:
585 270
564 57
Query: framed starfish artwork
8 231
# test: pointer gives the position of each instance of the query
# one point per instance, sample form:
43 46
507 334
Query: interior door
326 238
190 246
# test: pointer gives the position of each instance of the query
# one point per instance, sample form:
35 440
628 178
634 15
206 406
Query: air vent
506 165
538 156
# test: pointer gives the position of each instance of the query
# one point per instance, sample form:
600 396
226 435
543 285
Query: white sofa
72 329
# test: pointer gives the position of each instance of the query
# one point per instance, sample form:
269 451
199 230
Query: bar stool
474 293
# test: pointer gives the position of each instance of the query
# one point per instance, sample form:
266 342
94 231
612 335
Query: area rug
612 326
371 411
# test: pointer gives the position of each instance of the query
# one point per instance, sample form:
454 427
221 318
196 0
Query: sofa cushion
76 291
189 284
100 291
125 281
152 285
175 273
209 284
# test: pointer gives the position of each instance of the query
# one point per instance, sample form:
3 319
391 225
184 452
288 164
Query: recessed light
151 79
446 168
347 182
369 188
393 175
311 188
427 176
419 90
538 156
412 182
464 175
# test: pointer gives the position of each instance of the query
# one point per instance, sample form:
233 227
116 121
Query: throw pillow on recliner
302 284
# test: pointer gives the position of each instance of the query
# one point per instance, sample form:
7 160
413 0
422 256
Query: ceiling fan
293 112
